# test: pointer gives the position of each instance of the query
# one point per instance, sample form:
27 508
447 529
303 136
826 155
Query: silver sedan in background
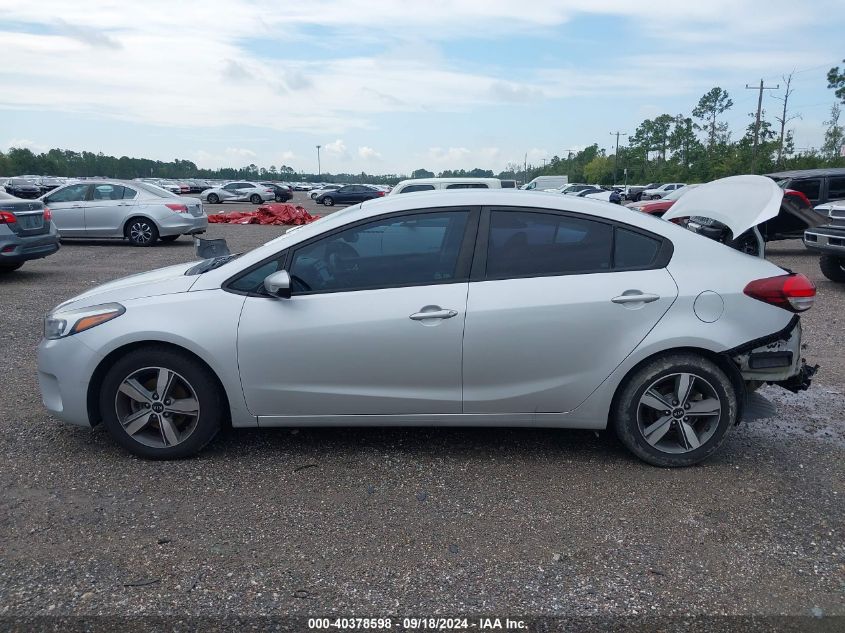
240 191
131 210
476 308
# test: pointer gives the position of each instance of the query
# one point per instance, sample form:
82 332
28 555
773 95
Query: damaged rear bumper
775 359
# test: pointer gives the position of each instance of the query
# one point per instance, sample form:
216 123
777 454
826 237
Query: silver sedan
476 308
131 210
240 191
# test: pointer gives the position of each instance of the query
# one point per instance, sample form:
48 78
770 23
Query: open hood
738 202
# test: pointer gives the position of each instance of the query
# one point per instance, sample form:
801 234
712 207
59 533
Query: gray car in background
131 210
26 232
239 191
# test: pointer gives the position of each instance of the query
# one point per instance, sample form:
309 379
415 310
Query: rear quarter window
634 250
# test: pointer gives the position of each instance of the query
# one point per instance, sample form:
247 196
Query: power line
761 88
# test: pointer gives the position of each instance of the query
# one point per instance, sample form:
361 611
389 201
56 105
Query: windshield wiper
210 264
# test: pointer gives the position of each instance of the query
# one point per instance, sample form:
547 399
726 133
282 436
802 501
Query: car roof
808 173
432 181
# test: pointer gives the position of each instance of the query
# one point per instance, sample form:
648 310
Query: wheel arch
722 361
138 216
99 374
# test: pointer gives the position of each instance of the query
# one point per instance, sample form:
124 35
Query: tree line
688 147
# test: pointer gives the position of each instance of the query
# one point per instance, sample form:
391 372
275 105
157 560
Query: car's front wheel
675 410
141 232
833 267
161 404
213 198
328 201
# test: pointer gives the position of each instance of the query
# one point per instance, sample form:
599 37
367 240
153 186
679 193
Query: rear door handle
434 314
635 297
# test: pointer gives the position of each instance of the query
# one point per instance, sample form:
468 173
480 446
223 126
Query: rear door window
525 244
836 189
810 187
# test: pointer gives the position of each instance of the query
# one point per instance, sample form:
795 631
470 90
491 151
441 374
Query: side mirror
278 284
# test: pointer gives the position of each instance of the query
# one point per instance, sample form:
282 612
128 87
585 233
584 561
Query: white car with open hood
474 307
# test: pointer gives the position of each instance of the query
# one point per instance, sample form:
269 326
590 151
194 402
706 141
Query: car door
107 209
231 192
374 324
67 206
344 195
553 307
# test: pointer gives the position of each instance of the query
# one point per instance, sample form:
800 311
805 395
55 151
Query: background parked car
430 184
22 188
829 241
348 194
324 189
819 185
136 211
655 193
282 192
239 191
26 232
660 206
635 192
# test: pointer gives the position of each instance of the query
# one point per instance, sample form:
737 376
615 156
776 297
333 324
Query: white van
432 184
546 182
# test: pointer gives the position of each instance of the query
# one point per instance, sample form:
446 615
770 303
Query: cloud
87 35
337 148
241 152
368 153
25 143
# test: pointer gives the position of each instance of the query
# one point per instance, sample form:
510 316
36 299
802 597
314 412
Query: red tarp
277 214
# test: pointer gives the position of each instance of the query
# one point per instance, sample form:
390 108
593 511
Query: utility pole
761 88
319 170
544 163
617 133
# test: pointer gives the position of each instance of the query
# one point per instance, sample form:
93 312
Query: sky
389 87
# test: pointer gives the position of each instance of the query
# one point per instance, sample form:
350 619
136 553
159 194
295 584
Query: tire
833 267
256 199
9 268
670 444
169 238
213 198
279 198
328 201
160 434
141 232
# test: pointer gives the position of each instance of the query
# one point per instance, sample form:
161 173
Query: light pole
616 155
319 171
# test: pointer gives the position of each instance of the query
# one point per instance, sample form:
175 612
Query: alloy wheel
157 407
679 413
140 232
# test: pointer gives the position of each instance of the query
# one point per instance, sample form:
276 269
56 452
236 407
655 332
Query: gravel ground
412 521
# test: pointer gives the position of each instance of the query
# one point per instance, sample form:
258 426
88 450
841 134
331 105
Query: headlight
62 324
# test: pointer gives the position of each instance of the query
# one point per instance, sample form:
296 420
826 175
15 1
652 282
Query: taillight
47 215
793 292
7 218
269 190
381 193
177 208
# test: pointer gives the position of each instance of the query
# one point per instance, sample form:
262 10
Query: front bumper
15 249
826 239
183 224
65 367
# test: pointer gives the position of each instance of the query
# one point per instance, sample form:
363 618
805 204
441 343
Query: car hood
738 202
162 281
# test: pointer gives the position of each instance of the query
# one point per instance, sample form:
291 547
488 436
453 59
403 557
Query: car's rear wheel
675 410
328 201
8 268
255 199
169 238
833 267
141 232
161 404
213 198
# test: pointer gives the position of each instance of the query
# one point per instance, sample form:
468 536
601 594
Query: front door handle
434 314
635 297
